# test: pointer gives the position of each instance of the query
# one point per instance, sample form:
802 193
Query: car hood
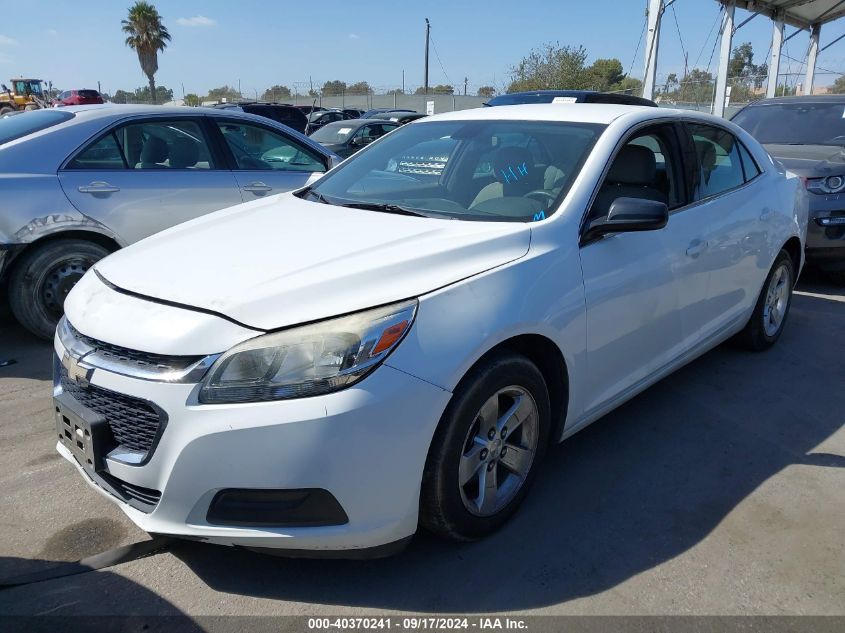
283 261
810 161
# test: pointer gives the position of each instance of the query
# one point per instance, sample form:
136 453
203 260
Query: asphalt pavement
720 490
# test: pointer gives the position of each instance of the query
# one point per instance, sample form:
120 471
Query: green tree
274 93
628 85
838 86
121 96
142 95
486 91
359 88
440 89
395 91
147 36
192 100
335 87
605 73
223 92
552 66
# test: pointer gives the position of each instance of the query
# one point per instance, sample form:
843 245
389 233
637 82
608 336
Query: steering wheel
542 196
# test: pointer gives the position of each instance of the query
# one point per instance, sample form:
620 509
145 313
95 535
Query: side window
257 148
647 167
177 144
749 165
719 164
102 154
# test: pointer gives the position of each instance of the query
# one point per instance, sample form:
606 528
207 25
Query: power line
678 26
437 55
707 39
639 43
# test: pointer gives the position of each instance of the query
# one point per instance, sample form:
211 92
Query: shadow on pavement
632 491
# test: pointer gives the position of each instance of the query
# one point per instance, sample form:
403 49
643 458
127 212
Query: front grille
146 360
145 499
134 422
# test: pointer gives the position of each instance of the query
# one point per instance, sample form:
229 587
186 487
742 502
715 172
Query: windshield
469 170
795 123
337 132
523 98
24 87
13 127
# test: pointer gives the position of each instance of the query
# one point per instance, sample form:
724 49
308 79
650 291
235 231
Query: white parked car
325 370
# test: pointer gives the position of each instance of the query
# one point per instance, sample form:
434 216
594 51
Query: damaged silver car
81 182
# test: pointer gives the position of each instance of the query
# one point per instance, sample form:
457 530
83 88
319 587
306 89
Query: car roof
603 113
356 123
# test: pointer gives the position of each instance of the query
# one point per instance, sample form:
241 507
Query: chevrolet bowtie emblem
75 372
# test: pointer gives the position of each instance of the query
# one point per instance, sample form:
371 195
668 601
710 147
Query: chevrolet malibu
321 372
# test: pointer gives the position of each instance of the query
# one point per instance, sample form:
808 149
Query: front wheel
487 449
769 317
43 278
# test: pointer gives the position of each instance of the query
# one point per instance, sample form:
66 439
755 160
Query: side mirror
627 215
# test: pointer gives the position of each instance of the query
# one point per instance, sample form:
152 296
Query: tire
461 512
761 331
836 276
5 111
42 278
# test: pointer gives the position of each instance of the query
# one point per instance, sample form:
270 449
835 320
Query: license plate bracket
86 434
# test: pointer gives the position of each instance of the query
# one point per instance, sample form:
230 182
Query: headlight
308 360
829 184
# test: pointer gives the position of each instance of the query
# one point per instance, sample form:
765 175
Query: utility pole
466 79
427 31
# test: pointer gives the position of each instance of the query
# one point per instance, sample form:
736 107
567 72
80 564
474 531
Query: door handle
696 248
766 215
98 186
257 187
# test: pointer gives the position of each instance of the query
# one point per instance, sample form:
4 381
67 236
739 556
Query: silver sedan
81 182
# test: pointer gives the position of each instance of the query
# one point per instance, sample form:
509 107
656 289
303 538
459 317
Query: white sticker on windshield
344 131
564 100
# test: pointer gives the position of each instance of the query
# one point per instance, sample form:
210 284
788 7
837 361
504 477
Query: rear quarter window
20 125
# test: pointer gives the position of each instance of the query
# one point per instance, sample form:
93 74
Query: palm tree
147 36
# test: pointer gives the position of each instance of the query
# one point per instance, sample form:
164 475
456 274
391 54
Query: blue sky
261 43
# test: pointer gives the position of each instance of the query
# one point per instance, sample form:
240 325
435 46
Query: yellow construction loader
24 94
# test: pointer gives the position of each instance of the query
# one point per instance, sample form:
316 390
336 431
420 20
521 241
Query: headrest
634 165
184 153
155 150
706 154
514 168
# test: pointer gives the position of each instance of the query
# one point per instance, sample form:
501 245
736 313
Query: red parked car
78 97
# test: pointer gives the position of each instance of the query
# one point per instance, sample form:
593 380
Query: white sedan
398 344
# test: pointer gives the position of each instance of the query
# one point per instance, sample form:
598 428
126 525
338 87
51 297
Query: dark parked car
354 113
318 119
307 109
78 97
344 138
280 113
400 117
568 96
369 114
807 135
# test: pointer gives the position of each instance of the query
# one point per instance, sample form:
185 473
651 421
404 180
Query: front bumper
365 445
825 235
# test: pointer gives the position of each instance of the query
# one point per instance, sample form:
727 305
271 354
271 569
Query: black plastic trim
268 507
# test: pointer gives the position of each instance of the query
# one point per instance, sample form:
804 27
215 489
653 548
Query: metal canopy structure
807 15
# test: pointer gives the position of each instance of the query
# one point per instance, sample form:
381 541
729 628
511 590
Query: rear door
148 174
739 224
267 161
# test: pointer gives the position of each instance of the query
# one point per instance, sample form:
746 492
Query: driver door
641 287
266 161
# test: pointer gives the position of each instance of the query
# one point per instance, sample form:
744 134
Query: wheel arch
793 247
548 357
107 242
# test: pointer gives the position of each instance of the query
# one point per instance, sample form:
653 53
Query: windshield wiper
384 208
